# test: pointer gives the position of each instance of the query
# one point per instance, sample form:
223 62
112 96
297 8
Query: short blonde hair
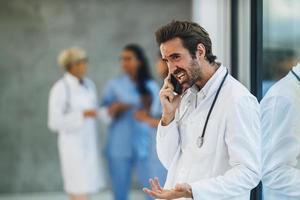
70 56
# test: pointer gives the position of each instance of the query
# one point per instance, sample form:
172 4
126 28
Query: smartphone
176 85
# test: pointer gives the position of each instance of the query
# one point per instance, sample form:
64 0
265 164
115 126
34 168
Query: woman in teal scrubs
128 140
152 118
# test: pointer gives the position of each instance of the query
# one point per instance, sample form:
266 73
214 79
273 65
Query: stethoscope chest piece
200 141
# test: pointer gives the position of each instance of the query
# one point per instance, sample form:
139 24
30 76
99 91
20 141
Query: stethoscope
297 77
200 139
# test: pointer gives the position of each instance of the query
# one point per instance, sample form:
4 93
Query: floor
106 195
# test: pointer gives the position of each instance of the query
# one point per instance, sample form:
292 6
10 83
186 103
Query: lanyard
297 77
201 138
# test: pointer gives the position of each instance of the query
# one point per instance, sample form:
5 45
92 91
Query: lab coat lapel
210 88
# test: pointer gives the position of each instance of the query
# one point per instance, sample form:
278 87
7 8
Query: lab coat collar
72 79
212 84
296 69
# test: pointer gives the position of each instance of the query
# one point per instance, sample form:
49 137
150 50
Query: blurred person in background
72 114
152 118
128 142
280 114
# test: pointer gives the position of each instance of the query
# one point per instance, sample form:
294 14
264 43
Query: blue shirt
128 137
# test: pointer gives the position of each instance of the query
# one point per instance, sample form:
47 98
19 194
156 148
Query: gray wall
32 32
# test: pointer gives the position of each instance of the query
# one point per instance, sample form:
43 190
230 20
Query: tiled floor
106 195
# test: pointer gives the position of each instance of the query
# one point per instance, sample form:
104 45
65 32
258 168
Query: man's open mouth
180 76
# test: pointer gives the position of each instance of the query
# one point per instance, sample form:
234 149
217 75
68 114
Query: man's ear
200 53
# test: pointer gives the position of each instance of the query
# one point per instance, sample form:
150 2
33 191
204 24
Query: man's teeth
180 75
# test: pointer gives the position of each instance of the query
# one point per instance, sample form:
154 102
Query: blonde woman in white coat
72 114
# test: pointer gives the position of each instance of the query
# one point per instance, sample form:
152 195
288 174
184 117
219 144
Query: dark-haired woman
128 140
152 118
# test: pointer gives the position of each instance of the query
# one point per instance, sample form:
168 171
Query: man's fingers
154 187
149 192
167 93
158 192
168 78
165 194
156 181
152 193
167 96
167 83
179 187
146 190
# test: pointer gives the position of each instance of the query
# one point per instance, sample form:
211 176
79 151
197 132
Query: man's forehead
170 47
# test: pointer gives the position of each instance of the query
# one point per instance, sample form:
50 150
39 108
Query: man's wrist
166 119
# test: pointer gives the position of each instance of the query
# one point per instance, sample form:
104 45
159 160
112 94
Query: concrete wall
32 32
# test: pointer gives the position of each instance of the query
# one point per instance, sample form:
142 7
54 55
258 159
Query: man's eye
175 57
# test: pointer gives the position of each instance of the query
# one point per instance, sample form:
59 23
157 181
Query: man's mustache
177 71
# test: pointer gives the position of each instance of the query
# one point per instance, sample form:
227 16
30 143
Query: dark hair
190 33
143 74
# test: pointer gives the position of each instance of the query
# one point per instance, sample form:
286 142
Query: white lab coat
280 114
228 165
77 136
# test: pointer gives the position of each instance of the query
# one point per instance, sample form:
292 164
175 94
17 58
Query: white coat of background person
225 162
72 114
280 114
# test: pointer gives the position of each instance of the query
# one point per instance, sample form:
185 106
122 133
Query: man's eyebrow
174 54
171 55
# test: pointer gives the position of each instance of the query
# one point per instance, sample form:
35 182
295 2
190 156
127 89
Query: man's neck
207 73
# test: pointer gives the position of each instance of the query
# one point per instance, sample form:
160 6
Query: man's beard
192 74
195 73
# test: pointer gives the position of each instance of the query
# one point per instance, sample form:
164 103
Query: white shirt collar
212 84
296 69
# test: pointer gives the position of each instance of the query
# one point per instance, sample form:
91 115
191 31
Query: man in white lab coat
280 114
209 136
72 114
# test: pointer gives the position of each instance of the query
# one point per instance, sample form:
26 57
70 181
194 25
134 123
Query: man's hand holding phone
169 100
